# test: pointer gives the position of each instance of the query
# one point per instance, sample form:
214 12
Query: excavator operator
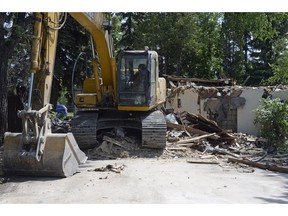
138 81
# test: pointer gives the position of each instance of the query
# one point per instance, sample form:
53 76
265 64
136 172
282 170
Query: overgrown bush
272 119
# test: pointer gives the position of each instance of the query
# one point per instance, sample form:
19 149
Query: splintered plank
189 129
195 138
260 165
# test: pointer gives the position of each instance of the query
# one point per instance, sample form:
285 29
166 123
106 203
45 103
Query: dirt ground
175 175
150 181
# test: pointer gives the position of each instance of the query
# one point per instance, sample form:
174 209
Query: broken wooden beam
195 138
177 148
172 84
223 151
111 140
207 125
222 82
189 129
202 162
260 165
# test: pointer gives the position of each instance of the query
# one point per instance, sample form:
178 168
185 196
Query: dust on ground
201 150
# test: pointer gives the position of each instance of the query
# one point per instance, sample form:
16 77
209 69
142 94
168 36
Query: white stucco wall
202 105
282 94
245 114
189 102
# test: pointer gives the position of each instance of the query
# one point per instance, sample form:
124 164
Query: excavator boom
38 151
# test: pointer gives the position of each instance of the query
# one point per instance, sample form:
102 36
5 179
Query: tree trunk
3 80
6 47
3 91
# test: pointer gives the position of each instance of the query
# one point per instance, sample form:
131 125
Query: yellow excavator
124 96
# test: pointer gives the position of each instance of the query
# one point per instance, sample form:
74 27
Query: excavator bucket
61 156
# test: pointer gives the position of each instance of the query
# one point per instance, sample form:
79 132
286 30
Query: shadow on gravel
277 199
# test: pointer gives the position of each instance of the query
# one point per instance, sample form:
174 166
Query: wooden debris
203 124
202 162
281 156
260 165
223 151
219 82
195 138
208 157
189 129
177 148
235 150
184 126
105 147
189 145
172 84
111 140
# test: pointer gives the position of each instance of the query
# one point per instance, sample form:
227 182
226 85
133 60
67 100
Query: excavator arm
38 151
44 51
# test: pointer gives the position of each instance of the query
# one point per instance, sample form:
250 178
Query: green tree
129 29
12 31
280 70
188 41
251 43
272 118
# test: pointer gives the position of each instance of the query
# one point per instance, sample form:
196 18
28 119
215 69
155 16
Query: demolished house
208 121
229 105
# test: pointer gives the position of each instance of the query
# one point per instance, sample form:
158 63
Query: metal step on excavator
39 152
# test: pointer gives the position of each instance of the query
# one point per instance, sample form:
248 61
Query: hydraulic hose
73 72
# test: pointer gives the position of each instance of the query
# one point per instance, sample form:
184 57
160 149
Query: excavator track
84 127
154 130
86 124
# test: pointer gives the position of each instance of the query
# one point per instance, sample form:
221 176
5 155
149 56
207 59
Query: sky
145 5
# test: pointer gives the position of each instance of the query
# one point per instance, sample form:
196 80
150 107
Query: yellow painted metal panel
86 100
133 108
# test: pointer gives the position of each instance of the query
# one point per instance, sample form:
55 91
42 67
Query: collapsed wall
231 106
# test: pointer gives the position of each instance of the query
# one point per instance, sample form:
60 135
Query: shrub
272 119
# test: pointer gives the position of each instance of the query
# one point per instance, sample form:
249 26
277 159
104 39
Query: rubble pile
113 147
211 142
60 125
197 124
198 139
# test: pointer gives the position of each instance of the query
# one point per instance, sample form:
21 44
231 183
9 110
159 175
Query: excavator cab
133 79
139 87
